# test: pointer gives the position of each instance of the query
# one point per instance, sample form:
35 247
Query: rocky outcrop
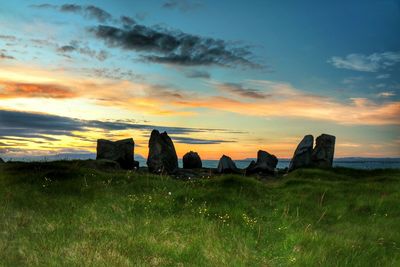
162 156
302 154
226 165
120 151
192 160
265 164
324 150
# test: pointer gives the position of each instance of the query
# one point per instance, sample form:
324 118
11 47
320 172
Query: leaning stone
302 154
265 164
121 151
226 165
192 160
162 156
324 150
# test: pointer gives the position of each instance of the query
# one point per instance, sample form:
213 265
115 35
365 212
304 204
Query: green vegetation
64 214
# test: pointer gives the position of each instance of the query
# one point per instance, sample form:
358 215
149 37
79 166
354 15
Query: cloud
160 45
8 37
127 21
286 101
9 89
77 47
366 63
21 124
386 94
112 73
198 74
238 90
383 76
182 5
198 141
176 48
5 56
89 11
66 48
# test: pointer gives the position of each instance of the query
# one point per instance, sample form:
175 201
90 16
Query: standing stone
162 156
226 165
1 160
120 151
322 155
302 154
192 160
266 163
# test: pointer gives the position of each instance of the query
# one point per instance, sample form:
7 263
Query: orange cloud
277 99
18 89
286 101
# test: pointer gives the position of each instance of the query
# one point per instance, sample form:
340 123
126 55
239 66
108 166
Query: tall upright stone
324 150
302 155
265 164
162 156
121 151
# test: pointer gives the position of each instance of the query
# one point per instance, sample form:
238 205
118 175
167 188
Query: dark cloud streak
89 11
174 47
240 90
182 5
38 125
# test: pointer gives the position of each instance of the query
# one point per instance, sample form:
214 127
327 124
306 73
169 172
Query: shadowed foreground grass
63 214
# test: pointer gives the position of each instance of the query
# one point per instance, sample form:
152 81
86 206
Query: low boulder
162 156
302 155
120 151
323 152
226 165
265 164
192 160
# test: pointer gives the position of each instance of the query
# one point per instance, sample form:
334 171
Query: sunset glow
69 77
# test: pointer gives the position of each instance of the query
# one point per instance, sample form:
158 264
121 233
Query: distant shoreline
348 162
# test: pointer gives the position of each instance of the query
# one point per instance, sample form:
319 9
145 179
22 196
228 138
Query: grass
65 214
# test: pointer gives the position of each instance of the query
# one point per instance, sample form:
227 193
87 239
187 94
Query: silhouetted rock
324 150
162 157
226 165
2 161
120 151
136 164
106 164
192 160
266 163
302 154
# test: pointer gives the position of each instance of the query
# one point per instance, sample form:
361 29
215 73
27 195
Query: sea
349 162
355 163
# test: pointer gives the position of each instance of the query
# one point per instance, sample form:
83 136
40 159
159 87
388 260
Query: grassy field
63 214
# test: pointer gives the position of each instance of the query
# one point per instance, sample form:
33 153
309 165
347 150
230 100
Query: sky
221 77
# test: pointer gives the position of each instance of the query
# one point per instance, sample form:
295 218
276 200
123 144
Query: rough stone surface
120 151
266 163
302 154
324 150
226 165
162 156
192 160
